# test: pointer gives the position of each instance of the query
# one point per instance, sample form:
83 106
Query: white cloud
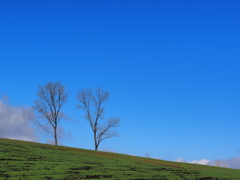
15 122
181 160
228 163
202 162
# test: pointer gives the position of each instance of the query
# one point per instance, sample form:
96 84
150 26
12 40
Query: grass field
28 160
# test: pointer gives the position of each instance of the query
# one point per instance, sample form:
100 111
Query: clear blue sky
172 68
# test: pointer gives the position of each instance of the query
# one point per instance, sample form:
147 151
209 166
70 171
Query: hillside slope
28 160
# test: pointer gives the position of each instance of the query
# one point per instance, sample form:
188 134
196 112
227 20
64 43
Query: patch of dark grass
82 168
7 159
208 178
97 176
48 177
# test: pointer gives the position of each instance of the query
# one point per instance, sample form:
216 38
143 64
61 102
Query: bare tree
92 105
52 97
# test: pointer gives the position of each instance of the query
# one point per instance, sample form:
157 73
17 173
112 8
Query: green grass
28 160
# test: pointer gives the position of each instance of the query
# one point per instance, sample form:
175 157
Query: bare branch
52 96
46 129
105 133
94 111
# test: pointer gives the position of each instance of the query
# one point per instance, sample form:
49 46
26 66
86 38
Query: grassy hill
28 160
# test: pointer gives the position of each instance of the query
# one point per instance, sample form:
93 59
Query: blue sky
172 68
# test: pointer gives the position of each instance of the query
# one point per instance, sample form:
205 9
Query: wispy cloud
147 155
229 163
43 127
106 150
201 161
15 122
181 160
52 142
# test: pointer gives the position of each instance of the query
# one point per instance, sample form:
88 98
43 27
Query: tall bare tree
51 98
92 105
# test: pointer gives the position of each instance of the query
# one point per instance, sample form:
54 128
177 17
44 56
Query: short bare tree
92 105
51 98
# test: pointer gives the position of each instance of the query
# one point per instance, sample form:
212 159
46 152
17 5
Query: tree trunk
55 136
95 140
